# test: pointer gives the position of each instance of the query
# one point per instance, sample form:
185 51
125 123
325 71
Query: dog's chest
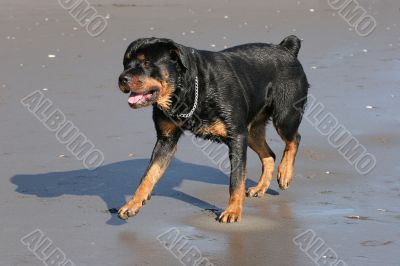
211 130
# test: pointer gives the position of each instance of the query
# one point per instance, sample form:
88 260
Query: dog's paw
284 179
257 191
131 208
128 210
230 216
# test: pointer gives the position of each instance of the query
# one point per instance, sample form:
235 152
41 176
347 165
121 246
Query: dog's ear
177 52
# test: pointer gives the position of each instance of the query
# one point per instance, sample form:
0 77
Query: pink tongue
135 99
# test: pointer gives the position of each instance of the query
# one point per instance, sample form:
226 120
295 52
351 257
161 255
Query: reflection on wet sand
264 230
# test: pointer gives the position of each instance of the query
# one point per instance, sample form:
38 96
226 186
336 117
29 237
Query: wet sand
42 186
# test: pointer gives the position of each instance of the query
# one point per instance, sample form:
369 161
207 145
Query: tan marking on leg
233 212
152 176
264 152
216 128
143 192
286 167
167 127
268 166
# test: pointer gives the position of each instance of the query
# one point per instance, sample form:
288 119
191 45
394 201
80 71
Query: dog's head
151 70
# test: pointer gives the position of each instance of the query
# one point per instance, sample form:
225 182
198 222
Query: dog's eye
146 64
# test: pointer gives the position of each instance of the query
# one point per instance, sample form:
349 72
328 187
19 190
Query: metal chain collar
196 97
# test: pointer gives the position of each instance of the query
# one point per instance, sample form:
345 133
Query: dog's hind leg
287 115
256 141
286 166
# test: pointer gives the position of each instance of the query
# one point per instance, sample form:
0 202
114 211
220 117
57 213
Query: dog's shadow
114 181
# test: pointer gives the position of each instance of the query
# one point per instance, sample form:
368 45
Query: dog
226 96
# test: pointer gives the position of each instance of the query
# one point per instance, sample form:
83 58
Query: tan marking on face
216 128
141 57
151 83
135 82
165 74
164 101
140 84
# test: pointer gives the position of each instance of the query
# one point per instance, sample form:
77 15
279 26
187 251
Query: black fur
240 86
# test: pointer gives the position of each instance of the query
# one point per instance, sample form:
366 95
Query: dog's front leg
162 154
237 155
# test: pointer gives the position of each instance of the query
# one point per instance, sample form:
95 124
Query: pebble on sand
357 217
51 56
369 107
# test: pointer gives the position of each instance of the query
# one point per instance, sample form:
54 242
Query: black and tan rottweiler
226 96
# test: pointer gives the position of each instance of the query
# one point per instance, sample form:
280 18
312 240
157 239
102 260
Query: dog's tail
292 43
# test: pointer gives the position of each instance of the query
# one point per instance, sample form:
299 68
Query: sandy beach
347 217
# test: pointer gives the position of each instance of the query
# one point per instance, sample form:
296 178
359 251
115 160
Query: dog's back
269 76
225 96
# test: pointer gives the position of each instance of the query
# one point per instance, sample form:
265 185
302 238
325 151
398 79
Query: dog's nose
123 83
123 79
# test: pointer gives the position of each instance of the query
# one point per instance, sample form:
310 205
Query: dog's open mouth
142 99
